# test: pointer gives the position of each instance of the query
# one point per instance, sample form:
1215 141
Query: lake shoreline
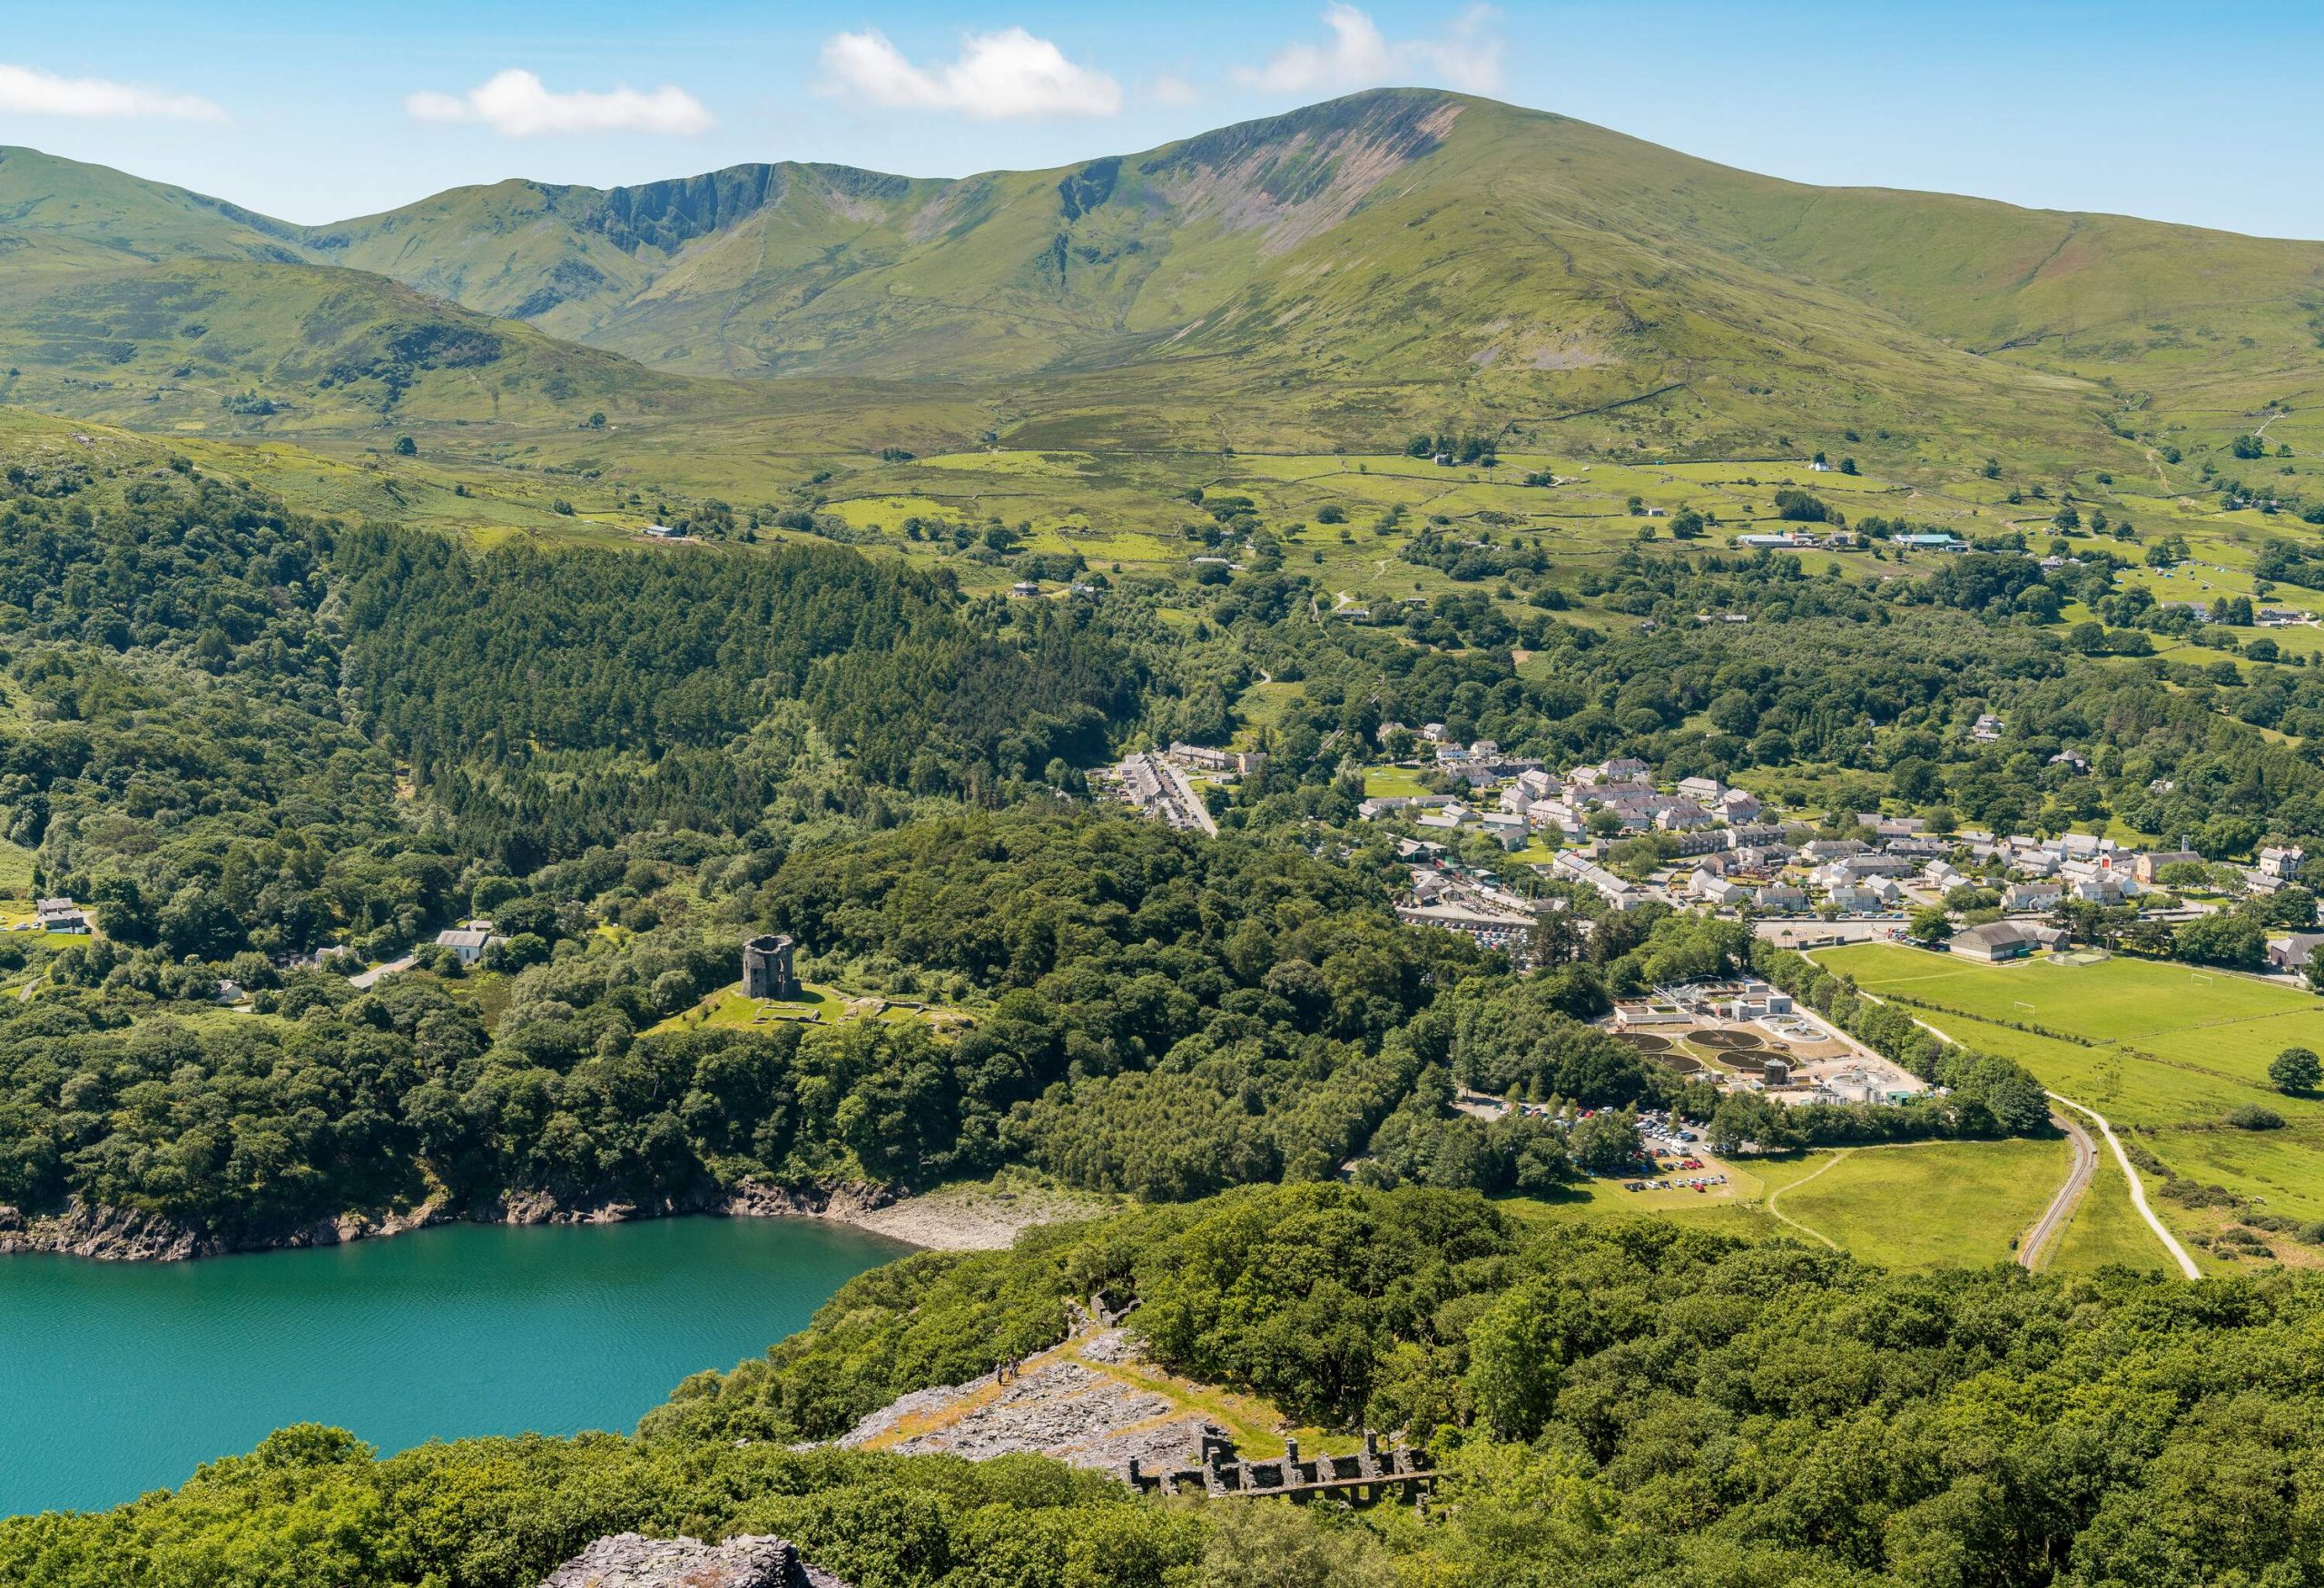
949 1218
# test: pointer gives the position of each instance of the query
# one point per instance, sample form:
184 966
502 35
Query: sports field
2210 1020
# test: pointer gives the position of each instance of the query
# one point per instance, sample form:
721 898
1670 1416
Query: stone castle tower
767 969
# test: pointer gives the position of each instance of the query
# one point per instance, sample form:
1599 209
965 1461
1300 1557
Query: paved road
2053 1220
363 981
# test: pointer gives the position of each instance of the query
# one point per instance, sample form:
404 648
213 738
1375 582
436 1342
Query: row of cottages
1623 787
2025 897
1239 761
1726 893
1876 897
1573 866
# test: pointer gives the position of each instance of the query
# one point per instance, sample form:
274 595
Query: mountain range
1390 258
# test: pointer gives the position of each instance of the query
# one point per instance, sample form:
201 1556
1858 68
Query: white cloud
29 93
998 76
1169 89
516 105
1467 56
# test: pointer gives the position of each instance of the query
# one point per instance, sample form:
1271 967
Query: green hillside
1390 249
1332 276
239 344
62 210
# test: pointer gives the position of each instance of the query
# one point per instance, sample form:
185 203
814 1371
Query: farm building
1995 942
468 941
2291 953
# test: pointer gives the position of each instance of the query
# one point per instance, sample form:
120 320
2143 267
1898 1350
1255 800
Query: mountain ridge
1396 252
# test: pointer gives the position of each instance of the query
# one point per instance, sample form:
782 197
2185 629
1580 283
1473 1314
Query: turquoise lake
120 1377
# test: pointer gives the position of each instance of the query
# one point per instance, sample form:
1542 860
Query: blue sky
318 111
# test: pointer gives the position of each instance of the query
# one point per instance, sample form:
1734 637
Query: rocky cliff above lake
1080 1403
83 1229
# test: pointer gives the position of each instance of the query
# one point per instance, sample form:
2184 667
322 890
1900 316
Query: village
1476 860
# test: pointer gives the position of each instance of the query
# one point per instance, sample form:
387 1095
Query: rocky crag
1064 1404
85 1229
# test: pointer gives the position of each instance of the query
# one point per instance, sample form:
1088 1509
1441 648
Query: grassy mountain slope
1387 251
197 344
62 211
1390 259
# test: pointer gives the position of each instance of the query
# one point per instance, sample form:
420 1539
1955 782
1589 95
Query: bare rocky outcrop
630 1560
88 1229
1071 1411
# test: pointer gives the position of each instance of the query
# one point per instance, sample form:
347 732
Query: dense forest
1154 1013
1609 1405
551 701
246 736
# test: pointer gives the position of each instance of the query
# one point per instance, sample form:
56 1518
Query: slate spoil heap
629 1560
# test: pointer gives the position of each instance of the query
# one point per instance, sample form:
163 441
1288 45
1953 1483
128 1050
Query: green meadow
1924 1206
2165 1053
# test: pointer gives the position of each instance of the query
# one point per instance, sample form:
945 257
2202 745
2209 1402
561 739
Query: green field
1739 1208
2168 1053
1391 782
2167 1045
1920 1207
2105 1230
824 1006
2113 1000
1917 1206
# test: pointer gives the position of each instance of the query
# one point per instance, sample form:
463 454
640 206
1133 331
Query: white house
2032 896
468 941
